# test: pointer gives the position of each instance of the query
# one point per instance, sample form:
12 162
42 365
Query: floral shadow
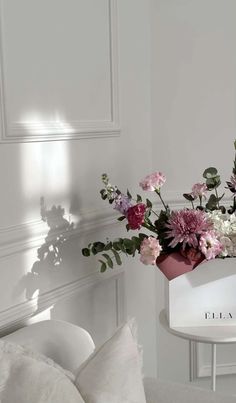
51 255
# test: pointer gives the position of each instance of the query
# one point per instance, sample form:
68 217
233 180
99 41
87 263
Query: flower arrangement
206 230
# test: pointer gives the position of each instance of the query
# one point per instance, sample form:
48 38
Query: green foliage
209 173
232 208
139 199
110 252
128 194
212 178
121 218
188 197
148 203
86 252
113 250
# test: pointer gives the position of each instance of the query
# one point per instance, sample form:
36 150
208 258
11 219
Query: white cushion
112 374
27 377
48 336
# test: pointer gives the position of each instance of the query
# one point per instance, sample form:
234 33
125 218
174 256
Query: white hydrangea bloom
225 226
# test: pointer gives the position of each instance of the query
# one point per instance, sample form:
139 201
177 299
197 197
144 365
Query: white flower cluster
225 227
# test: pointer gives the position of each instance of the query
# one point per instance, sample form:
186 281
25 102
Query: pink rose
135 215
150 249
199 190
153 182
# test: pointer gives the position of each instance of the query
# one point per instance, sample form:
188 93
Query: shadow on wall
50 265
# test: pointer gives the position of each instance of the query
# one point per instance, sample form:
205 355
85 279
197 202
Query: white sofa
69 346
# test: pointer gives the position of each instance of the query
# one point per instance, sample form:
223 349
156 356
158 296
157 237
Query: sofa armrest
160 391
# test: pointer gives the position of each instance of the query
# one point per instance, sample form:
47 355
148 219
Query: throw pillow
27 377
112 374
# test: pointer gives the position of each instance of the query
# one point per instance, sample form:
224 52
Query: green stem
200 198
149 227
218 204
192 205
154 213
159 194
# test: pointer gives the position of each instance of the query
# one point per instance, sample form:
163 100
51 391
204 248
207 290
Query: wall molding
55 131
221 369
16 315
31 234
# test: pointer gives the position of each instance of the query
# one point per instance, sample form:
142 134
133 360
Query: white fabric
112 374
49 336
158 391
28 377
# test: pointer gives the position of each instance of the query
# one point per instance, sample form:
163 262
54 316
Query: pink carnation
199 190
209 245
153 182
150 249
186 225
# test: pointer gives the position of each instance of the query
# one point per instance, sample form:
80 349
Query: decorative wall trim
16 315
14 239
55 131
221 369
28 235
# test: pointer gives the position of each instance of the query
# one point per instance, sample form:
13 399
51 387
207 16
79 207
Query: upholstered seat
69 346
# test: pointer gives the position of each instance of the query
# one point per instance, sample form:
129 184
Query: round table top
204 334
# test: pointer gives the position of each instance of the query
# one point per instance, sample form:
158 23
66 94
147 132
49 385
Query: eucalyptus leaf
213 183
188 196
121 218
117 257
139 199
210 172
103 266
212 202
85 252
108 259
128 194
98 247
108 246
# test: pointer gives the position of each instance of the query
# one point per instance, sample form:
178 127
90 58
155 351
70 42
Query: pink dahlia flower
199 190
209 245
153 182
150 249
185 226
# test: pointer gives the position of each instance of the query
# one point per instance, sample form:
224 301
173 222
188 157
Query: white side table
204 334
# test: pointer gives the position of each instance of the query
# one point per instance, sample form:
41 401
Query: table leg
213 367
191 363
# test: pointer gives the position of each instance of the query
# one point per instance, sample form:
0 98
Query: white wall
75 103
124 87
193 122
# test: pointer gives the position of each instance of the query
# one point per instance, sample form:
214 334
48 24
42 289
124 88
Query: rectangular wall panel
59 69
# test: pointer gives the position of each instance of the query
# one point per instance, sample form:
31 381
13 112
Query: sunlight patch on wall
39 125
45 167
45 174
